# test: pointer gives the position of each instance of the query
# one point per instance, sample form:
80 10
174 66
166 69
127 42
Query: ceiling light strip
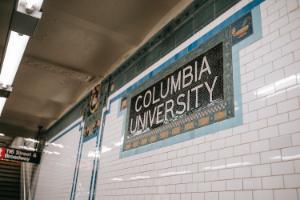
23 24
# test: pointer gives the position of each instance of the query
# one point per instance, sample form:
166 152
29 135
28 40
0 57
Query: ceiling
76 44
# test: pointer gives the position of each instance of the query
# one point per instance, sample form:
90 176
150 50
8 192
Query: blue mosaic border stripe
225 124
65 132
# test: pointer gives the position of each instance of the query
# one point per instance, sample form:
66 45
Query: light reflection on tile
117 144
292 157
51 152
139 177
278 85
286 82
117 179
230 165
94 154
175 173
105 149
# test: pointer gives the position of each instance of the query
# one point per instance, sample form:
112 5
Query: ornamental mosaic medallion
92 114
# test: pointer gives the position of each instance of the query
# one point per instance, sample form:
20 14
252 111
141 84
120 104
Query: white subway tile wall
258 160
55 177
88 154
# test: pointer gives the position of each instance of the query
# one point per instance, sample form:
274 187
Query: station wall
254 155
259 159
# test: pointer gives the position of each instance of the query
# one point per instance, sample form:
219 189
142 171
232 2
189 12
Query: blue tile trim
97 160
76 171
225 124
64 132
222 125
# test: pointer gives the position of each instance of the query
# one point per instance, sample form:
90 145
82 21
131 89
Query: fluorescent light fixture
13 56
2 134
2 103
37 4
17 42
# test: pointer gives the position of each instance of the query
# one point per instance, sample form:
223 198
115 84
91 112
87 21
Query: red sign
20 155
2 152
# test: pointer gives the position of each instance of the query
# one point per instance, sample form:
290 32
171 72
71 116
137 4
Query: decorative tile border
190 121
220 125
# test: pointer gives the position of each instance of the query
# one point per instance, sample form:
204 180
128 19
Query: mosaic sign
192 86
193 92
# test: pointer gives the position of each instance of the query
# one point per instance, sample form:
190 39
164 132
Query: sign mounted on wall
20 155
195 91
191 87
